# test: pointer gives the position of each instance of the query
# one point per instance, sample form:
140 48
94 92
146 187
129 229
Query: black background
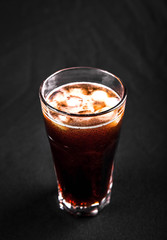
127 38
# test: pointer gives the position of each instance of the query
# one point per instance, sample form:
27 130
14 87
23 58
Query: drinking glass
83 144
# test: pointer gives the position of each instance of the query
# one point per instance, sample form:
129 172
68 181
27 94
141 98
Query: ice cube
111 102
99 95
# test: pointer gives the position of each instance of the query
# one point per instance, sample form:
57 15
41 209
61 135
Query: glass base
91 210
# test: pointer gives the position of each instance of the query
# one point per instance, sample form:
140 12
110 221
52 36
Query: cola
83 126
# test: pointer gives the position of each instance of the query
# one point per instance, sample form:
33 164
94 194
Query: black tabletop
127 38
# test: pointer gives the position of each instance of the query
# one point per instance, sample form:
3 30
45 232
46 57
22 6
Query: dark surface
127 38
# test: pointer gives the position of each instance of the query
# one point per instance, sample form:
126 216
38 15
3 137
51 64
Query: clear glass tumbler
83 109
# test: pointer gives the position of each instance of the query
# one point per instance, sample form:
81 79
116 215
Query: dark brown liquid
83 158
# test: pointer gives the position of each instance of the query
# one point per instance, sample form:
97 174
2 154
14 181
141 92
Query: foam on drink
82 98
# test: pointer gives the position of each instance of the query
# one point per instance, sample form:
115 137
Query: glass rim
119 104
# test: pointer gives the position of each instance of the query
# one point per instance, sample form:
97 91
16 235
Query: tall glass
83 142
